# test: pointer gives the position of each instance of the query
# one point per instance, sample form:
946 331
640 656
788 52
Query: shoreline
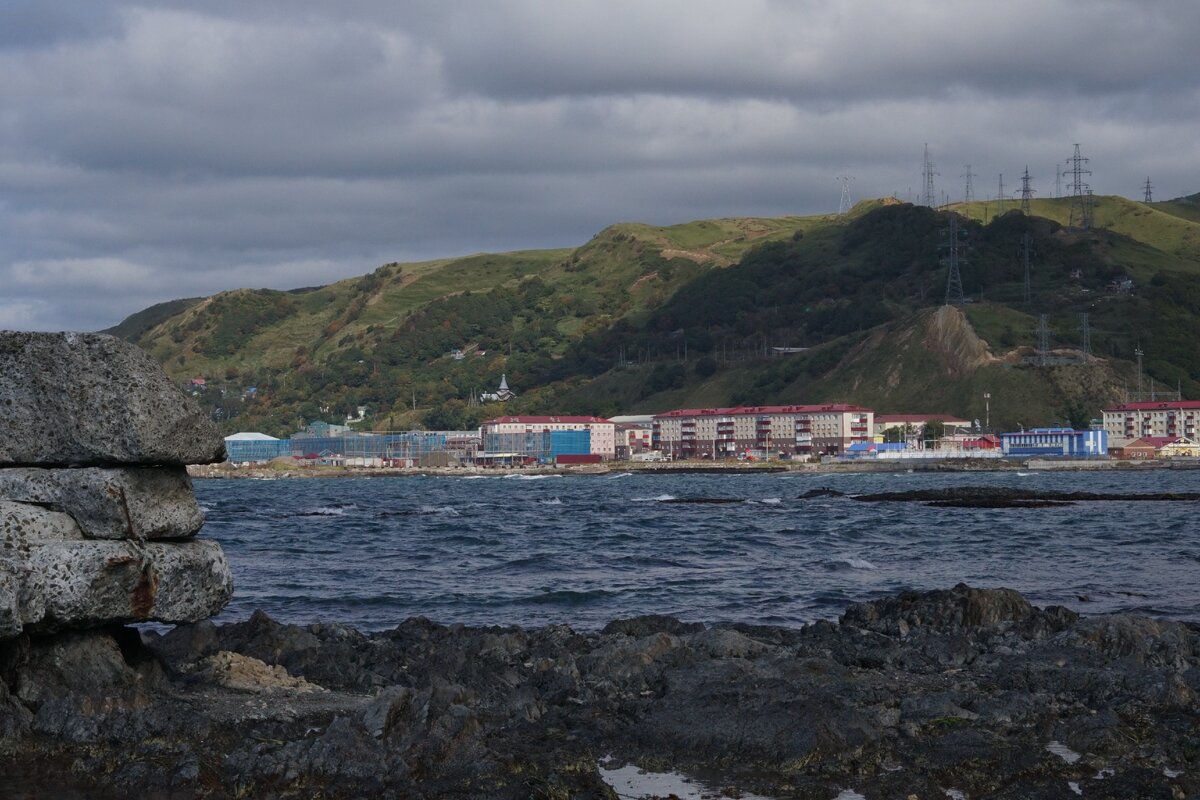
285 471
964 689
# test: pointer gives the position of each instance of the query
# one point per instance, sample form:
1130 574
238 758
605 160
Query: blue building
255 448
1055 442
545 446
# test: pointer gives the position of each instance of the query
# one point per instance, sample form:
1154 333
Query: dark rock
88 399
963 689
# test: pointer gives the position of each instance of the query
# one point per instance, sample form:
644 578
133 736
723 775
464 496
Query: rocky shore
958 693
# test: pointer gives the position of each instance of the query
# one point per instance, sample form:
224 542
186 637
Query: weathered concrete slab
52 578
112 503
89 399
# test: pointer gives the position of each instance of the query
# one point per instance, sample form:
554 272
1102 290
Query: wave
554 501
620 475
851 562
529 477
662 498
325 511
769 501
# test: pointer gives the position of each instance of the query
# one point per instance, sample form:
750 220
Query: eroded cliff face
948 332
965 690
97 514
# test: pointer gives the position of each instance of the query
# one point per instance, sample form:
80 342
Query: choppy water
586 549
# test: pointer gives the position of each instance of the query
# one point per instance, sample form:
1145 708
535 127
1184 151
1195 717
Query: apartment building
786 431
1172 418
603 431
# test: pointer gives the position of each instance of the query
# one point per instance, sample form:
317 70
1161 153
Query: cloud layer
150 151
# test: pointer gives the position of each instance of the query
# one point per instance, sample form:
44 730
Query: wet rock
116 503
89 399
967 694
960 607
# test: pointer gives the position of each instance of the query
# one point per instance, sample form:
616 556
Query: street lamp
987 411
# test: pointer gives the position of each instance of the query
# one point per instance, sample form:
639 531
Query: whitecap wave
620 475
553 501
853 562
771 501
450 511
662 498
530 477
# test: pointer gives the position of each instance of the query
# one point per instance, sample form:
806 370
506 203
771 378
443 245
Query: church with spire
502 395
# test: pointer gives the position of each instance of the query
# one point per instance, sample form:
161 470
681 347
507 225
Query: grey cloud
154 151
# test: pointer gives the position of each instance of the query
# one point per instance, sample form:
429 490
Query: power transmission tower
930 197
1028 288
954 259
1057 180
1080 214
844 203
1043 346
1138 352
1089 209
1085 331
969 190
1149 187
1000 198
1026 191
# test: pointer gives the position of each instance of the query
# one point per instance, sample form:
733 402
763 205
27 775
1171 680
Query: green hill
645 318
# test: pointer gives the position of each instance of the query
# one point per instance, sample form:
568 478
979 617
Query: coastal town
1143 432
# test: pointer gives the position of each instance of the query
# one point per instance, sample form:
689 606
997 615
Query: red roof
1191 405
535 420
760 410
1153 441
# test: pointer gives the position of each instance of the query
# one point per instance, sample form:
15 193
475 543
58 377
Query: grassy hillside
645 318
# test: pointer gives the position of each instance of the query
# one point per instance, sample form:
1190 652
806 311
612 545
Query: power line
844 203
1028 288
930 197
1026 191
954 288
1043 346
969 189
1080 211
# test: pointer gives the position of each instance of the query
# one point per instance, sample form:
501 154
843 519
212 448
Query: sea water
584 550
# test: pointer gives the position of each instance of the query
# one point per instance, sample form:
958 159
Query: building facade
1054 442
602 431
1129 421
783 431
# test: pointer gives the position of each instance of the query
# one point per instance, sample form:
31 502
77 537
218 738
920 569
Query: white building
783 430
1172 418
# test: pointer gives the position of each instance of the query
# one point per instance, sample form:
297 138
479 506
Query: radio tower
1149 187
969 190
955 246
1080 211
844 203
1085 331
930 197
1028 287
1000 198
1026 192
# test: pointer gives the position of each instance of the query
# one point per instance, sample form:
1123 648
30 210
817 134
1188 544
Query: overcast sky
150 151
